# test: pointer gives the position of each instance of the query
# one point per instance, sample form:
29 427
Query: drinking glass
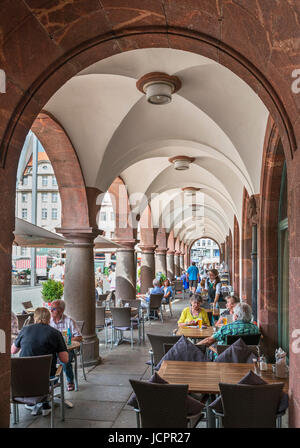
200 323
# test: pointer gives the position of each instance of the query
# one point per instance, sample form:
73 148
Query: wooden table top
30 310
73 345
204 377
195 332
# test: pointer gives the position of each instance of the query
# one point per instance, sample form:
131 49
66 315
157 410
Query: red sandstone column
177 263
236 278
79 286
147 267
170 265
126 271
161 261
293 176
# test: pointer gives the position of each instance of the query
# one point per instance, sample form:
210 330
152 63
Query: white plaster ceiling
215 117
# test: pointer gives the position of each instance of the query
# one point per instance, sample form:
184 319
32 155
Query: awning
29 235
105 243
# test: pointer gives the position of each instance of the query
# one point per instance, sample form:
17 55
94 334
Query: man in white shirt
112 280
62 322
56 272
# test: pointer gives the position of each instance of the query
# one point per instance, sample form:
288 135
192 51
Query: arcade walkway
101 401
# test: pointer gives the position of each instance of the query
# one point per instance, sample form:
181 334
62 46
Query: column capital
147 248
177 252
80 235
126 244
171 252
161 251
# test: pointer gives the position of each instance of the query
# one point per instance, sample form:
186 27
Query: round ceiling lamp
181 163
190 191
158 87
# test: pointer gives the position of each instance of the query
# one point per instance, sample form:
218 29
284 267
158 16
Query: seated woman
194 312
168 291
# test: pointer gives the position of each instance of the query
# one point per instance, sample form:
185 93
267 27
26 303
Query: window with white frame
103 216
44 213
44 197
24 197
54 197
24 213
54 182
25 180
44 181
54 213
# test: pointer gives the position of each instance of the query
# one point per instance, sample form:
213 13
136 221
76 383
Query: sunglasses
53 309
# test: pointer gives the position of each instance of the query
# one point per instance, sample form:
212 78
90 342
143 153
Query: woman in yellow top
194 312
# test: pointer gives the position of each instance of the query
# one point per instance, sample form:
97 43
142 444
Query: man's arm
14 349
63 357
207 341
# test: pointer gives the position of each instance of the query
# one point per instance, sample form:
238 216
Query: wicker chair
155 305
121 321
162 405
157 342
30 383
247 406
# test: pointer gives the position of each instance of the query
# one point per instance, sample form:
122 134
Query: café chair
163 405
30 377
27 305
79 352
121 321
139 319
24 320
178 289
157 342
249 339
164 303
254 348
247 406
102 322
155 305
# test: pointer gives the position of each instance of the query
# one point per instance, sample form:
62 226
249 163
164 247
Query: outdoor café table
30 310
204 377
195 332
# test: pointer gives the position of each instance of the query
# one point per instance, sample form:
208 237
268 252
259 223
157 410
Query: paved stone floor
101 401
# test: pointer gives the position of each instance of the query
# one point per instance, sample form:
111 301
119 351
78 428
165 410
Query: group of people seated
165 289
240 321
45 337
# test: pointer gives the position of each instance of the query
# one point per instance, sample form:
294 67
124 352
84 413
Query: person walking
193 277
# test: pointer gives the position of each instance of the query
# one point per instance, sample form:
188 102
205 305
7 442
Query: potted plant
51 291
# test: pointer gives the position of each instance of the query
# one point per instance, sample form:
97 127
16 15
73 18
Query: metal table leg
211 420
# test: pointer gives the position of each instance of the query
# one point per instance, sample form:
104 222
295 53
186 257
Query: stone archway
273 160
62 155
236 253
246 252
63 40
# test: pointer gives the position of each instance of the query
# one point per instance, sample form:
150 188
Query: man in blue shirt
193 277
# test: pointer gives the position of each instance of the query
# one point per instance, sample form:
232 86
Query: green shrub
52 290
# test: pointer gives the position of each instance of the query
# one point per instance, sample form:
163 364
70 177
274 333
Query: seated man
194 312
231 302
241 325
62 322
40 339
